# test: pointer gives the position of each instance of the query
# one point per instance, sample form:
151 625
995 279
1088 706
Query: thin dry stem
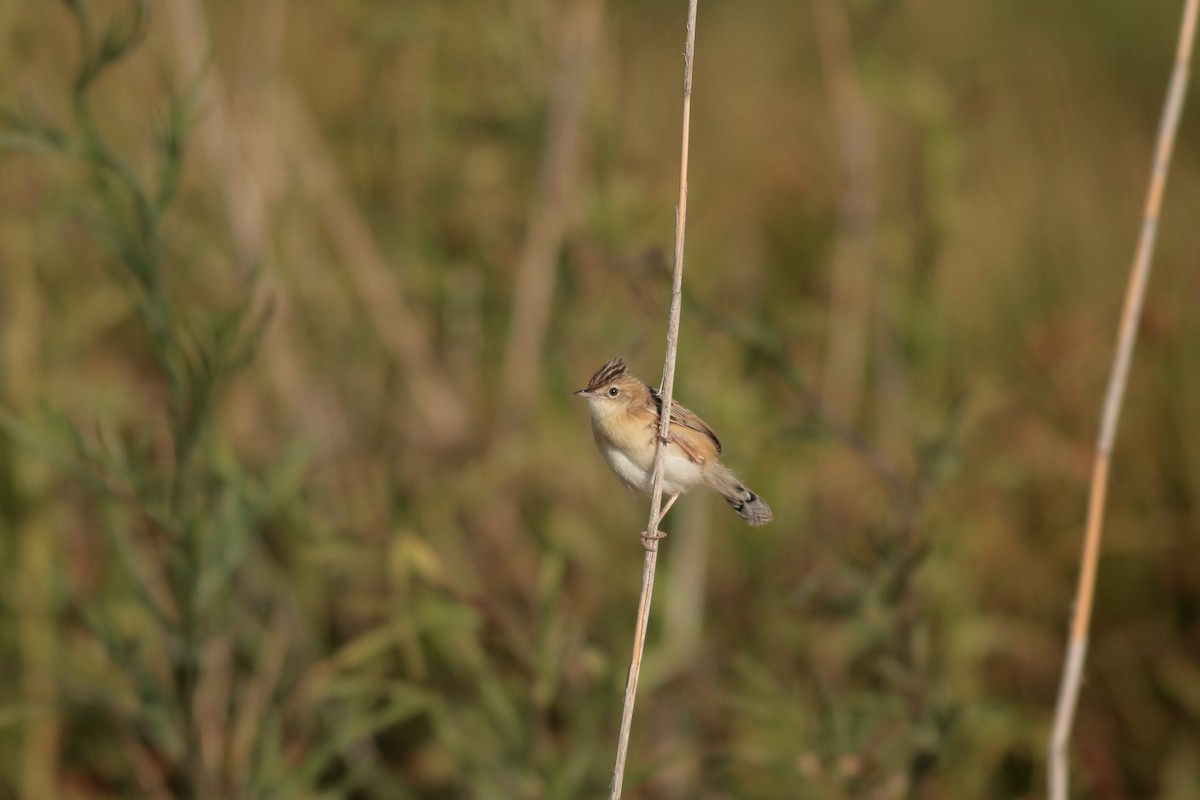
1114 396
650 539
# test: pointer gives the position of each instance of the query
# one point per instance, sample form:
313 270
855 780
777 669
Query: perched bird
625 421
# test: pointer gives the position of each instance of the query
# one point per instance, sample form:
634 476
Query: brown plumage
625 418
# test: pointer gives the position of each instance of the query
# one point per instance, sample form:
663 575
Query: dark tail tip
751 508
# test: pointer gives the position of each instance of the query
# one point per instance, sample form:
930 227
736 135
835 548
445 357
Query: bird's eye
613 392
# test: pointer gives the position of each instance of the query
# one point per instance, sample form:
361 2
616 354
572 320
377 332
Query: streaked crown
613 369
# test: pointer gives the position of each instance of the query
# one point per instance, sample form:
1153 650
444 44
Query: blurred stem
34 531
442 416
537 267
1135 294
39 647
852 278
683 606
216 136
187 668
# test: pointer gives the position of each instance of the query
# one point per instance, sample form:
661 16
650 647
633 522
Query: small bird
625 421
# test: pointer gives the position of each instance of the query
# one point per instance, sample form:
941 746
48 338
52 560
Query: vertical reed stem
668 385
1068 693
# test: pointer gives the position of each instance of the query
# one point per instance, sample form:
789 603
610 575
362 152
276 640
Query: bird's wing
692 435
687 430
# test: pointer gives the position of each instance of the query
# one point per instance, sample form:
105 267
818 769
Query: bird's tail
748 505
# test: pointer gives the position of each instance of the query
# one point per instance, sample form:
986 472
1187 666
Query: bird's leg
649 537
662 514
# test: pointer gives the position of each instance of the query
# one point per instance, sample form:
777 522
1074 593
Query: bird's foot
650 539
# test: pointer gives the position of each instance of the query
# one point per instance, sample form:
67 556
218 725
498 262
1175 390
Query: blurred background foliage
293 498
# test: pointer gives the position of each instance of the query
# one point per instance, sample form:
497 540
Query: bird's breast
629 451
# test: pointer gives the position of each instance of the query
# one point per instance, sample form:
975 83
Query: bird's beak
583 393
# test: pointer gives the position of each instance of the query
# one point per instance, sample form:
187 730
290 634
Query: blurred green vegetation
293 498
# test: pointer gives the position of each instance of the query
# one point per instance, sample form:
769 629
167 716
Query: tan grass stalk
668 386
1068 694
